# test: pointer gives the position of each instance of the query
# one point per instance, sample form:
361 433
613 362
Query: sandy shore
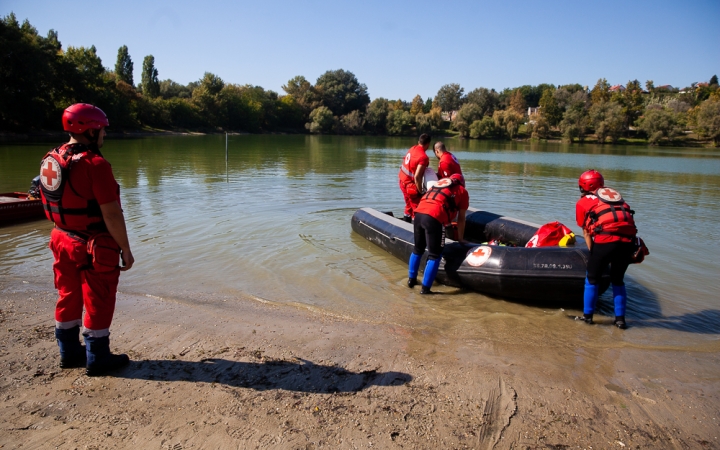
253 375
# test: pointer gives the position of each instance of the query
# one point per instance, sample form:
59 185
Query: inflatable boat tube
542 274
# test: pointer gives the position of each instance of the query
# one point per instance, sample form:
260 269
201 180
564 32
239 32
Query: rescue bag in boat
611 215
552 234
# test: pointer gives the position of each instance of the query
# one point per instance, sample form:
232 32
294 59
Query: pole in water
227 174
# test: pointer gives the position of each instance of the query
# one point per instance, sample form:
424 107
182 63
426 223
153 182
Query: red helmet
458 179
591 180
80 117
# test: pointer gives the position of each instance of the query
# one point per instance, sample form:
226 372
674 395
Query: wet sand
255 375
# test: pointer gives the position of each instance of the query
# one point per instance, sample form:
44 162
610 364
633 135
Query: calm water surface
274 224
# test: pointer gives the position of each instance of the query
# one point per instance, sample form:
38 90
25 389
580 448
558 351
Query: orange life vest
611 216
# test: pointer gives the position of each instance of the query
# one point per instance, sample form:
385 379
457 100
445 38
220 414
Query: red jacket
415 157
606 222
448 165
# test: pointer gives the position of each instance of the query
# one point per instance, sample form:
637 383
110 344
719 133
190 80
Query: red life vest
64 206
438 200
611 216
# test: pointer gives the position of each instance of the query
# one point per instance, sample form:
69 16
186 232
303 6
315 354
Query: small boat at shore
18 207
540 274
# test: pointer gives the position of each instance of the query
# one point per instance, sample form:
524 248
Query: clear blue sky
397 48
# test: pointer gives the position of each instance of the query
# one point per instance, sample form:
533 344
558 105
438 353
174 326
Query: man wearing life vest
411 175
80 195
609 231
437 208
447 162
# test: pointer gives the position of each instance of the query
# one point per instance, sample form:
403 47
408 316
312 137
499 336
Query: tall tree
517 103
601 92
416 107
341 92
303 92
714 80
124 66
450 97
549 108
486 99
150 83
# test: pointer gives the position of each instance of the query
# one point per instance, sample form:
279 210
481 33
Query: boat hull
16 207
544 274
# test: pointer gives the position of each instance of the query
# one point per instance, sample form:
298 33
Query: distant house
702 84
665 87
532 114
617 88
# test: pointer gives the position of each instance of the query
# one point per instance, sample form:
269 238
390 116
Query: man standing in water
609 231
80 195
447 162
411 175
437 209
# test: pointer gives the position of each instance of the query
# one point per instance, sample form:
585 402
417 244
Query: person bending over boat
411 175
609 231
80 195
436 210
447 162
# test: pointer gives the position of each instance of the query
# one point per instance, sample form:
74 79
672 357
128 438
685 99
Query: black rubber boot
620 322
412 282
72 353
587 318
407 219
425 290
99 358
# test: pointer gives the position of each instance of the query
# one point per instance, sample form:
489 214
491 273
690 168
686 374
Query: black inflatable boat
544 274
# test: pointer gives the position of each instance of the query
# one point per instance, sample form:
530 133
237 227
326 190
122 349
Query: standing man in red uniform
447 162
437 209
80 195
411 175
609 231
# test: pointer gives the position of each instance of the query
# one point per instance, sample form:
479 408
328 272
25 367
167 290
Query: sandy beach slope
254 375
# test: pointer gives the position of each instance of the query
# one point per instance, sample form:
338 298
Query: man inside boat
437 208
609 231
411 175
80 195
447 162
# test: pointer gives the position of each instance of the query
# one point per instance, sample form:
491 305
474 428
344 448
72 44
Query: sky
398 49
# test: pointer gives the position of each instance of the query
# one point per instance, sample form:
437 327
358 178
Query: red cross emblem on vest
50 174
478 256
609 195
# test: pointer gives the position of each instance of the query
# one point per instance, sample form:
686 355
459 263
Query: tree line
38 79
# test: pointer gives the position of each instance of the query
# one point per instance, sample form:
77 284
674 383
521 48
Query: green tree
303 92
540 129
428 105
507 121
429 122
607 118
601 92
341 92
574 124
549 109
486 99
30 92
352 123
714 80
449 97
659 123
517 103
321 120
398 122
650 85
150 84
708 120
484 128
170 89
124 66
468 113
376 116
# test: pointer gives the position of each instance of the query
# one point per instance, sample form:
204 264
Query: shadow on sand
299 376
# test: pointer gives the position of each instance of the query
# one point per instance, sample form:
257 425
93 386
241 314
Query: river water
273 224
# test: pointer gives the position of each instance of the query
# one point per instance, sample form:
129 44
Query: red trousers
411 200
79 286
